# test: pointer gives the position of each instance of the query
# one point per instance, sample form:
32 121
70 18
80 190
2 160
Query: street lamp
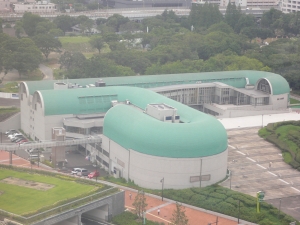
239 212
279 208
262 120
162 188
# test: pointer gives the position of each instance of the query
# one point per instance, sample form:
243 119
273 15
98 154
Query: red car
22 141
94 174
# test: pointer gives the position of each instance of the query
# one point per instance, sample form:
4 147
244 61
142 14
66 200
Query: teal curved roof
232 78
200 135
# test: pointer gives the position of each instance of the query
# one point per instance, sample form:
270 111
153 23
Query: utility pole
162 188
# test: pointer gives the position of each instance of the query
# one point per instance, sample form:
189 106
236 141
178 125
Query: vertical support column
79 219
10 157
58 152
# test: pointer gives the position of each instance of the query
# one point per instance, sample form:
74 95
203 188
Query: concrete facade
178 173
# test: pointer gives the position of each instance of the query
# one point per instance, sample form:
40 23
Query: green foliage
294 101
128 218
285 135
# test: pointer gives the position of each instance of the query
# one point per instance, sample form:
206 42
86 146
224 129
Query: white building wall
25 113
279 101
147 170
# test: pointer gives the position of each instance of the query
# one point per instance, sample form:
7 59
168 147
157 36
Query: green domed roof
200 135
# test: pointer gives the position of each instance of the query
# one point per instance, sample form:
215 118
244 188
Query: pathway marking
251 159
272 173
284 181
296 189
241 152
6 160
261 166
151 214
231 146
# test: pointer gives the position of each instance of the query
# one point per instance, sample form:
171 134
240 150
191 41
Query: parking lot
74 159
257 165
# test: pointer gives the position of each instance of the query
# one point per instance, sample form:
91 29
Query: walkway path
196 216
47 71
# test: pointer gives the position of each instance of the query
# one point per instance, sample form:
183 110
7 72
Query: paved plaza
257 165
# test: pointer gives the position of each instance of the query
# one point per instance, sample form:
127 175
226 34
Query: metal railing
50 143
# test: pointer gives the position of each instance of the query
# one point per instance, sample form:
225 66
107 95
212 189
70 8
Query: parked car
32 150
22 141
16 137
75 171
82 172
19 139
94 174
10 136
11 132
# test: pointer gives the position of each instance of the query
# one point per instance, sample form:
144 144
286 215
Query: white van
33 157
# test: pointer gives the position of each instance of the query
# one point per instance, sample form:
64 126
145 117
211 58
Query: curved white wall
147 171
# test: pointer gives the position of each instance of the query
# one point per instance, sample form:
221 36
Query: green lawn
8 110
294 101
74 39
11 87
22 200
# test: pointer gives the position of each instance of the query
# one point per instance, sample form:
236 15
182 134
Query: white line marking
296 189
284 181
251 159
240 152
261 166
231 146
272 173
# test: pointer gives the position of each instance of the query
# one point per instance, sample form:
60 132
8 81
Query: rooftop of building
232 78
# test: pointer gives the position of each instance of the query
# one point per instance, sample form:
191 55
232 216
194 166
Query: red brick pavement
195 217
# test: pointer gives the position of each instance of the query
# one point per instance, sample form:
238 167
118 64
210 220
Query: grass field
294 101
22 200
74 39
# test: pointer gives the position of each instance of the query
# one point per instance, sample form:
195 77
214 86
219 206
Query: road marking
241 152
296 189
169 222
231 146
251 159
6 160
272 173
284 181
261 166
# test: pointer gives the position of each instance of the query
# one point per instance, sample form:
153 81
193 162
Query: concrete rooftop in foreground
256 121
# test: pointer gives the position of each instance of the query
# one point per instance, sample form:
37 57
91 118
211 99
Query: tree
64 22
232 15
116 21
140 204
47 43
22 55
30 22
70 60
97 42
1 30
178 216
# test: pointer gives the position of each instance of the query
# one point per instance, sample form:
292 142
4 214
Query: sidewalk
196 216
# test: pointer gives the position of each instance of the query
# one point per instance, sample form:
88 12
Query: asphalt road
7 102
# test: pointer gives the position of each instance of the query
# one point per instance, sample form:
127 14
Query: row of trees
178 216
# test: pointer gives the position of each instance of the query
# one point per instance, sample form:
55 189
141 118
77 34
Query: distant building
288 6
35 7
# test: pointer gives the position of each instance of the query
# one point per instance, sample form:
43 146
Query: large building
152 127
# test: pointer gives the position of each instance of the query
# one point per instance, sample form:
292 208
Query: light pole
262 120
98 5
162 188
279 208
239 213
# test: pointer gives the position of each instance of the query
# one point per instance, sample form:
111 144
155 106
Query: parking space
257 165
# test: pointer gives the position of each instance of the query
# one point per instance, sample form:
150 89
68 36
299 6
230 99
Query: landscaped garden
218 199
286 136
26 192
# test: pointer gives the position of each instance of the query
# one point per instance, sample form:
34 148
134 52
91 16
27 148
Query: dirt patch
27 183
